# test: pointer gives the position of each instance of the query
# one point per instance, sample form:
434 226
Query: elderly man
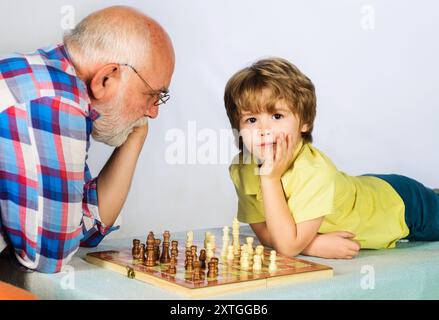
110 74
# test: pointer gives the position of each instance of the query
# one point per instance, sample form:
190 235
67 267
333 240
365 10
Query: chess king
110 74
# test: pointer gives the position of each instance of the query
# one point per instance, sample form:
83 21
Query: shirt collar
92 113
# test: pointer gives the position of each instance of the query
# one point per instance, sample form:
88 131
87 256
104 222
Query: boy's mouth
267 144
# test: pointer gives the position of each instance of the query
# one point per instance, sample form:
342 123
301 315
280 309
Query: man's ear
104 80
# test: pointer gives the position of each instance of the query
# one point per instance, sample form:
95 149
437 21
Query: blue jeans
421 206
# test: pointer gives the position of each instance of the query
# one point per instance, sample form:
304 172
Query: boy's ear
305 128
104 80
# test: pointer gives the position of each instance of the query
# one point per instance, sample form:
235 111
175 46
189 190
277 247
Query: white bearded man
109 76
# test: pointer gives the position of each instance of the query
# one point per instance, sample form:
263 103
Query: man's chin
118 139
112 141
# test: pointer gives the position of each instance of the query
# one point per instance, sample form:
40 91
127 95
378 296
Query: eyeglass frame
163 94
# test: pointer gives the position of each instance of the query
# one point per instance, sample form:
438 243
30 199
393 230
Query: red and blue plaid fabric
48 199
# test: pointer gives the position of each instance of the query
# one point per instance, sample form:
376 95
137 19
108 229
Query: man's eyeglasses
162 94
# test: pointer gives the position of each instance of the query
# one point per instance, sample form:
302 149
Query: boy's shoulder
310 166
243 169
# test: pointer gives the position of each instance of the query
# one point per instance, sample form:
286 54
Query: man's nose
152 112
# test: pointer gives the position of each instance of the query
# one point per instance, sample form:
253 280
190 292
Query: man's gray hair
100 39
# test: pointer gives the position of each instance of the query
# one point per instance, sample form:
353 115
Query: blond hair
246 92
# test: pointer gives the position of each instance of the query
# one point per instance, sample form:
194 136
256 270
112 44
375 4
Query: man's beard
109 128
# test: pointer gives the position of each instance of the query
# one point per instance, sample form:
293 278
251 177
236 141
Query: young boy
292 195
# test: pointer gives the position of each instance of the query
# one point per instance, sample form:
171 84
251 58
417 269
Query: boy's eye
277 116
251 120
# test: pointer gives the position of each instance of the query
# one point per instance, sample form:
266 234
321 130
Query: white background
377 89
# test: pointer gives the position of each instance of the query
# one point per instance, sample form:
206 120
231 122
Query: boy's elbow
288 251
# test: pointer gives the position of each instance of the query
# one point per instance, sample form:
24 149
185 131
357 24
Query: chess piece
244 261
196 276
157 249
206 238
142 252
174 246
174 252
272 267
216 261
212 241
194 252
165 258
203 259
189 239
150 261
209 251
260 251
250 250
235 235
225 242
212 272
135 251
189 264
173 265
257 263
230 254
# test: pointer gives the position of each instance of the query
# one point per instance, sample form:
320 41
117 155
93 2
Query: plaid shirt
48 199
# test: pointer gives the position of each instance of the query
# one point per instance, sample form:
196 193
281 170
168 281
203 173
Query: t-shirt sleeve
313 196
250 209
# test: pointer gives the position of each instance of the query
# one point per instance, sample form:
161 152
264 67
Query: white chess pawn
206 238
244 261
260 251
250 243
272 267
257 263
209 251
189 238
225 233
212 240
224 249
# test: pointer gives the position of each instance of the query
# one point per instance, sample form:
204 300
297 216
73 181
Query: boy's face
260 131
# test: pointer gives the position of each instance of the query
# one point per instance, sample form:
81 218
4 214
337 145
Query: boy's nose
266 132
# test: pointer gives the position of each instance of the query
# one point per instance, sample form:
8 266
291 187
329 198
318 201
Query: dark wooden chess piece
194 252
196 276
216 261
203 258
157 249
142 252
150 261
165 258
189 264
212 272
173 265
135 251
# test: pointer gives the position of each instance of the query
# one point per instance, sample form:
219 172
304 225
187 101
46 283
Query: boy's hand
334 245
278 161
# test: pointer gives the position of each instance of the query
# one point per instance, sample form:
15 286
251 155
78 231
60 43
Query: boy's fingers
279 147
346 234
355 246
290 144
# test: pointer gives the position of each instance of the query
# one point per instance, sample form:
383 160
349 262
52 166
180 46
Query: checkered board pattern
230 276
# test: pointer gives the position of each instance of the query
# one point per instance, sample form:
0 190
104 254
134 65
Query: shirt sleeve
313 197
93 228
250 209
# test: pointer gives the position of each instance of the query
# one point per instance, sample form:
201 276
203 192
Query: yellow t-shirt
366 206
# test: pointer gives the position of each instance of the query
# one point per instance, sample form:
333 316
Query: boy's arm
287 237
333 245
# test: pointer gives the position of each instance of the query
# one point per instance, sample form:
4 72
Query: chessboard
227 275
